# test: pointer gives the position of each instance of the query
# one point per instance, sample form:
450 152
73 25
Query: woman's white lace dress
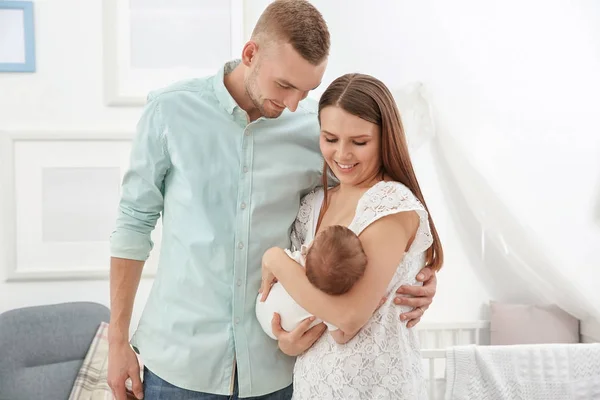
383 360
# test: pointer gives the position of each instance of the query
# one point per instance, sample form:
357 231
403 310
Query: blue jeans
156 388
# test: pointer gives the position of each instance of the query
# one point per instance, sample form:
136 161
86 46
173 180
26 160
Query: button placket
243 220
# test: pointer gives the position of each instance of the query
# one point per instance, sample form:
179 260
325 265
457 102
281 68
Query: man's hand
422 296
123 364
300 339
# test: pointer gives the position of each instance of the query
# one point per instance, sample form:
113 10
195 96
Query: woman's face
350 146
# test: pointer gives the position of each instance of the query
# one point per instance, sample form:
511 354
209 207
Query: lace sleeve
386 198
299 228
296 243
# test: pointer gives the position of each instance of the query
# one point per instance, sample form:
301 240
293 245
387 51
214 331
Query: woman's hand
300 339
268 278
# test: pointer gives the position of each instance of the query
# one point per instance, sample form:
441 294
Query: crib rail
440 335
436 337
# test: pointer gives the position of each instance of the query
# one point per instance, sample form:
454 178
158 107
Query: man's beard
251 89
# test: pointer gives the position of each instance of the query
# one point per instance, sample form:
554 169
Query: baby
334 262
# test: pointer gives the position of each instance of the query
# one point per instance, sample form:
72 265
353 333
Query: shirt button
243 205
240 245
239 282
245 169
237 321
247 133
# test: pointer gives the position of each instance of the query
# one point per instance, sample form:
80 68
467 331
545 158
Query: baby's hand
268 279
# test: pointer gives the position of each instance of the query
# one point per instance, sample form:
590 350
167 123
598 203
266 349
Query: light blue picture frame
28 24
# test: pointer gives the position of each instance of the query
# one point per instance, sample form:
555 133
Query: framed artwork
64 191
17 38
149 44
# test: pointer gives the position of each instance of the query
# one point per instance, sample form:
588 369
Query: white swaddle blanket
279 301
523 372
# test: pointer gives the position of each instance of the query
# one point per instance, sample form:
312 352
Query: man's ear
249 53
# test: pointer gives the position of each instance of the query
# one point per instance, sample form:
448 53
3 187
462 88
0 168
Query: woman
379 198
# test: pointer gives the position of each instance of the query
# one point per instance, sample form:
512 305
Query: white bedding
527 372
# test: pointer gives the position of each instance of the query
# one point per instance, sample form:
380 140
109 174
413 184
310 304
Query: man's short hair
296 22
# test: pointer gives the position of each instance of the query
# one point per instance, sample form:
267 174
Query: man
226 165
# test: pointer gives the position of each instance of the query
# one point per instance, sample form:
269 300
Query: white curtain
517 265
509 257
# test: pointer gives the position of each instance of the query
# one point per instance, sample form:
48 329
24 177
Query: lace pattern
387 198
300 227
383 360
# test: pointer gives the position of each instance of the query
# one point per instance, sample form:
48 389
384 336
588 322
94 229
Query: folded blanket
527 372
91 382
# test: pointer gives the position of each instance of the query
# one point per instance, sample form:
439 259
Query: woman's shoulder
383 199
393 193
390 197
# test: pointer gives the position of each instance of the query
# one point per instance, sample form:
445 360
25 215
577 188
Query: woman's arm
342 337
384 243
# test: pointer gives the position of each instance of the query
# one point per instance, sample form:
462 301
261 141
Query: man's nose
291 101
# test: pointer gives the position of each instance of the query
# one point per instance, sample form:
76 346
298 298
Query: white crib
437 337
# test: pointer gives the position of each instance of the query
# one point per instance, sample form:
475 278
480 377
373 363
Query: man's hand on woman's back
422 296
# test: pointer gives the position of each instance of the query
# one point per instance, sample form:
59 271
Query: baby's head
335 261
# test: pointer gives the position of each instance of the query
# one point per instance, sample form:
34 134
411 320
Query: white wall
527 70
65 95
517 84
66 91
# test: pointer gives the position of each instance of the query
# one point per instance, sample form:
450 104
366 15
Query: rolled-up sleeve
142 192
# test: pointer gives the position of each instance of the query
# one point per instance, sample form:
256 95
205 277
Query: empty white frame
149 44
64 191
17 37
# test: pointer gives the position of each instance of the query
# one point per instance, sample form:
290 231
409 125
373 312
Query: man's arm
130 243
139 208
124 281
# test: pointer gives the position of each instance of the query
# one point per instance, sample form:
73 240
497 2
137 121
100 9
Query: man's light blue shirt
227 191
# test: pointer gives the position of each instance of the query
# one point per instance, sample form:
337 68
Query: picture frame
53 225
17 43
126 84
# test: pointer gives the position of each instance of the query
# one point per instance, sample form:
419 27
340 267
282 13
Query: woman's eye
282 86
360 143
330 140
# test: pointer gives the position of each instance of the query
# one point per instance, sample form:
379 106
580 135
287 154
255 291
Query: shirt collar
223 95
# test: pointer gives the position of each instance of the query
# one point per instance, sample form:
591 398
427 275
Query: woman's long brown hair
368 98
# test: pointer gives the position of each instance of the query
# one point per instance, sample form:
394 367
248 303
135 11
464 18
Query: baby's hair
336 260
